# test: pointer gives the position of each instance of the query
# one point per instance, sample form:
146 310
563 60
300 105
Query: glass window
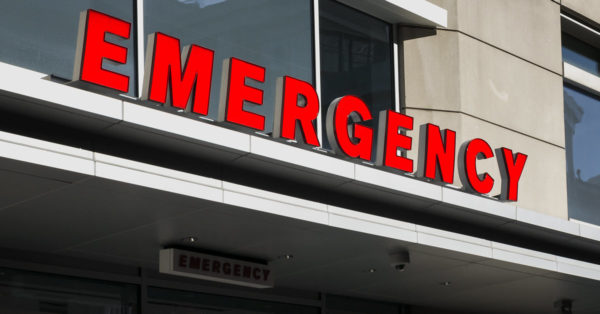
582 127
41 35
30 292
275 34
174 301
580 54
582 116
346 305
356 58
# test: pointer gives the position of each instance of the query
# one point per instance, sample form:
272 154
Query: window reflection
346 305
275 34
580 54
41 35
31 292
582 130
187 302
356 58
202 3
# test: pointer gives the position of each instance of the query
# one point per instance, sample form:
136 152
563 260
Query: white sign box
215 268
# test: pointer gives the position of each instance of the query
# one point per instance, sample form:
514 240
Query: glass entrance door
170 301
25 292
178 309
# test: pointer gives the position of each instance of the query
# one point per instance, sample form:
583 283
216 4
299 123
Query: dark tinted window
356 58
346 305
580 54
30 292
41 35
176 301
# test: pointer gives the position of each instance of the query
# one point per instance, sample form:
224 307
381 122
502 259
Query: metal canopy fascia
44 159
27 91
100 218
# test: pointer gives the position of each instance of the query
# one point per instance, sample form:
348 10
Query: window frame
576 77
572 74
394 48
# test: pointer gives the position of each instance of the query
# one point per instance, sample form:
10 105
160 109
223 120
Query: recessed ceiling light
190 239
372 270
286 256
446 283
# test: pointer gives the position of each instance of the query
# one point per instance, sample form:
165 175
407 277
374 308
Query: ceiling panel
18 187
108 221
82 212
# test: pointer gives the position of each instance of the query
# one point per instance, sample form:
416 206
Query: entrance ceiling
66 214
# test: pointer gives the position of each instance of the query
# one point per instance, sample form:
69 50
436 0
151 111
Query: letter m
167 82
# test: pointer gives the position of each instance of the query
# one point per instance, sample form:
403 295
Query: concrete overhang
413 12
70 201
309 175
62 203
403 197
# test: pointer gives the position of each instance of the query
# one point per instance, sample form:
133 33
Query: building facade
299 156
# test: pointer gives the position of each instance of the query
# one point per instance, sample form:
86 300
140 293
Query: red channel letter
439 153
297 101
92 49
338 133
165 68
477 149
390 139
234 92
511 169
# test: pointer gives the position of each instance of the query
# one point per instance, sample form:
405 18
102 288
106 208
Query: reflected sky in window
275 34
580 54
582 133
585 133
46 37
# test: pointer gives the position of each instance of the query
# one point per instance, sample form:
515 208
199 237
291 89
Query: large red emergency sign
187 86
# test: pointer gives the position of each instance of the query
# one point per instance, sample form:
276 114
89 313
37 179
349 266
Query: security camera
400 267
399 261
565 306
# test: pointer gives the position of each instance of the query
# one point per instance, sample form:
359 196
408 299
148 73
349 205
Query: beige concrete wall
543 183
454 72
495 73
529 29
